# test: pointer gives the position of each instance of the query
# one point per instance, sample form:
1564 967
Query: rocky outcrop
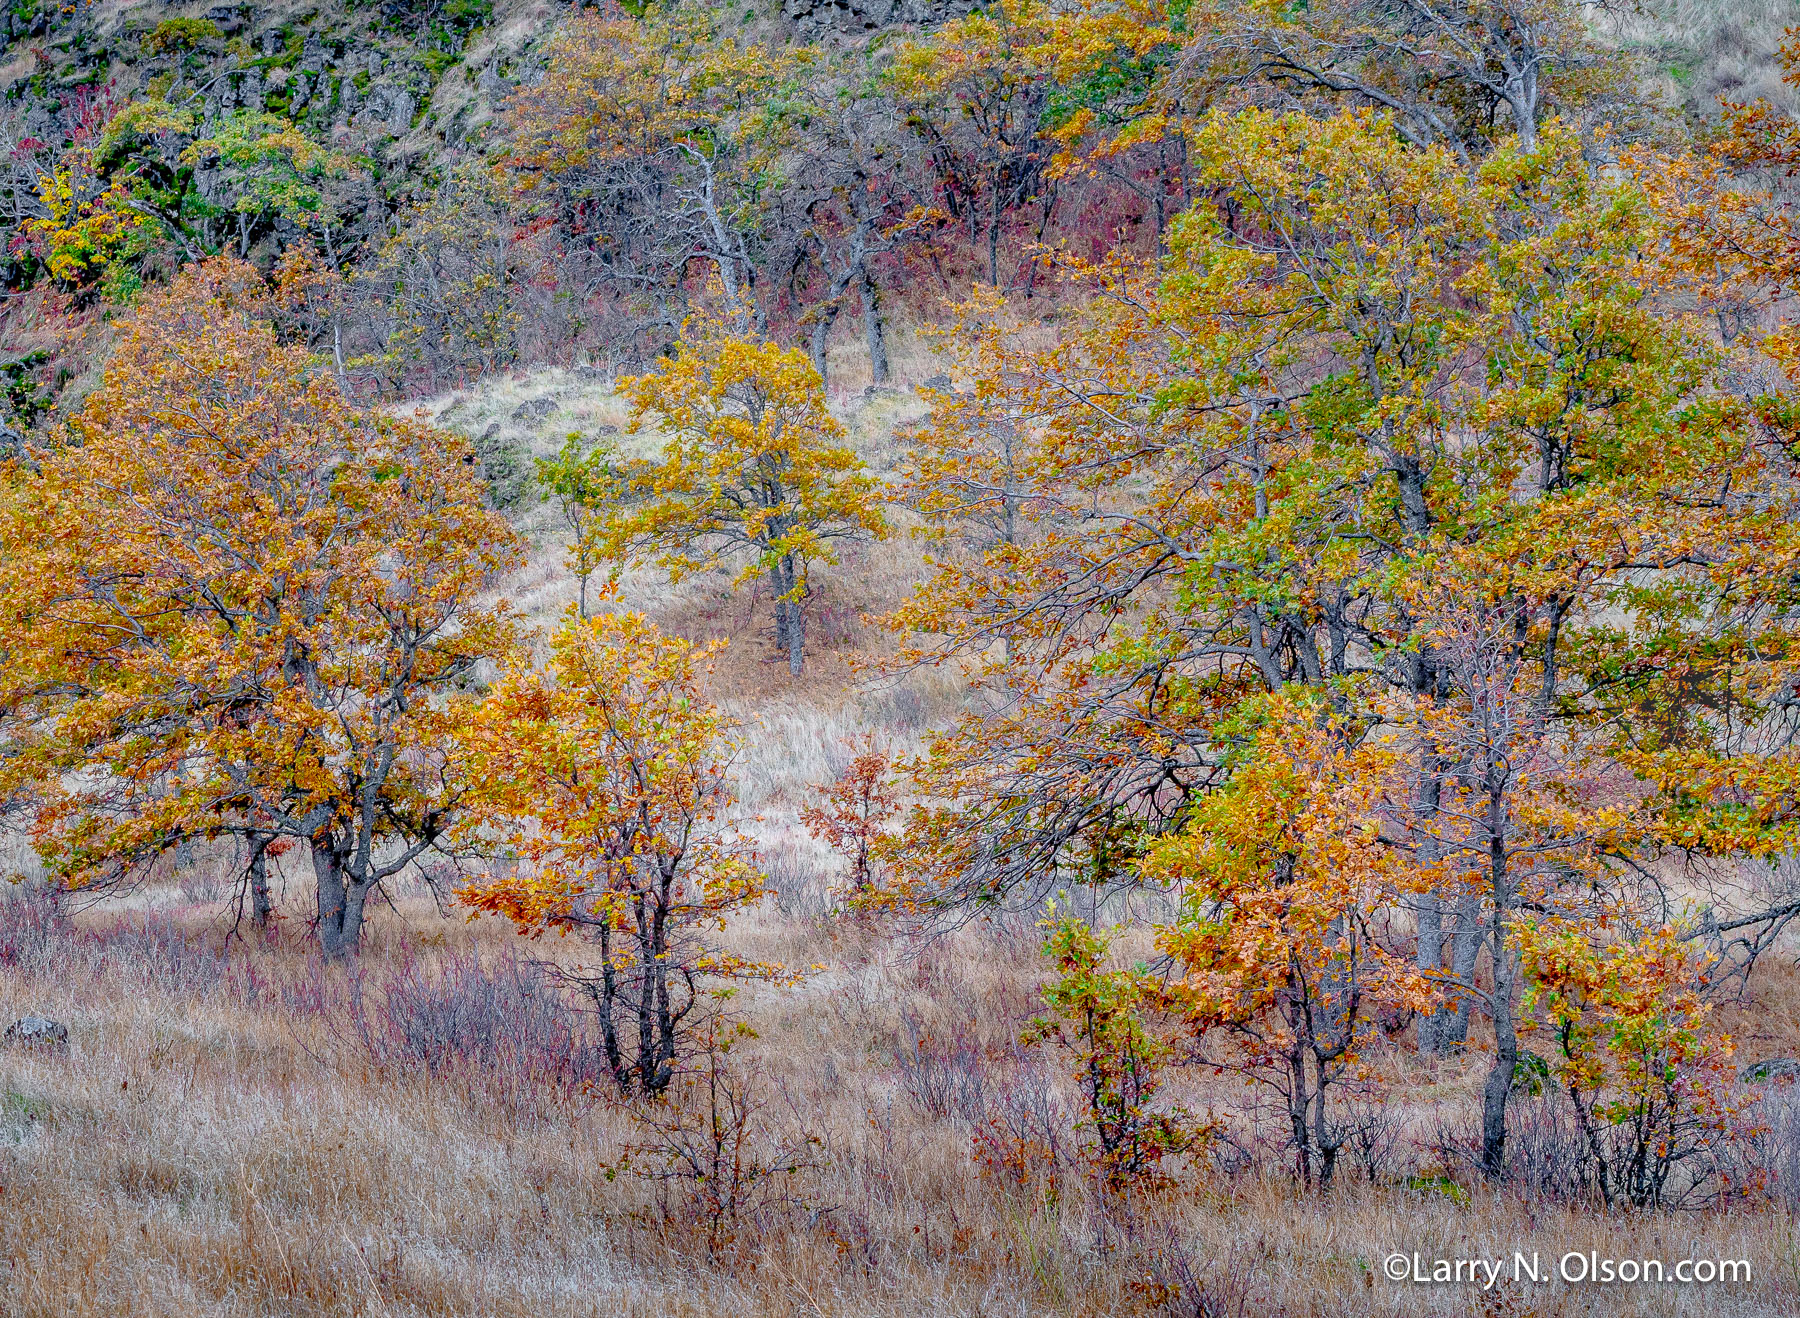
1775 1068
36 1032
387 108
871 15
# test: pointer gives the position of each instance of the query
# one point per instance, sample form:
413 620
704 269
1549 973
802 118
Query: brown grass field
223 1137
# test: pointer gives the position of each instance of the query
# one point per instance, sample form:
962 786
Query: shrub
944 1078
721 1167
505 1021
180 34
1023 1142
158 952
1635 1050
1100 1023
32 922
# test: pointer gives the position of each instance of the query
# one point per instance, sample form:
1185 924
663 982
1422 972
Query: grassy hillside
1363 549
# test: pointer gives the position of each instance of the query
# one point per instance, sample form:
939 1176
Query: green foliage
1122 81
25 401
468 14
1100 1023
579 479
180 34
274 168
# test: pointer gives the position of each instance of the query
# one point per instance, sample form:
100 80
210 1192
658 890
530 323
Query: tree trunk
262 908
781 628
790 625
1466 942
1299 1103
796 637
1428 911
1506 1060
821 332
1506 1038
606 999
340 904
874 333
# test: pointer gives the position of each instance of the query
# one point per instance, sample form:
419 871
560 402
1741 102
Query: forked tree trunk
1466 941
340 904
790 622
874 332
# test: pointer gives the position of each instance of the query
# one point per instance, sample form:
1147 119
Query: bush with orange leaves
854 811
1634 1046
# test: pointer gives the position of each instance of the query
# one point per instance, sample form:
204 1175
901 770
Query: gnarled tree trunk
341 899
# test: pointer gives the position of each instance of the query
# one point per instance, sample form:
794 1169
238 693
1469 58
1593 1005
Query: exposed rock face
36 1031
230 18
390 107
870 15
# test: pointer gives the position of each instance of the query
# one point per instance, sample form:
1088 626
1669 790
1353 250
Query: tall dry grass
236 1130
1699 52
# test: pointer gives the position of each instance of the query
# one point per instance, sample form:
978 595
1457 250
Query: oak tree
605 777
247 607
753 470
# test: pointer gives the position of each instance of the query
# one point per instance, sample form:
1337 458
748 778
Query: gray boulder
389 108
37 1031
1775 1068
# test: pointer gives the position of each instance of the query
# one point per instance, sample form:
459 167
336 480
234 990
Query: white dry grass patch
17 859
1700 52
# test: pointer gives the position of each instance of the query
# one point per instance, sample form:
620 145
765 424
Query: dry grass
211 1143
1699 52
794 730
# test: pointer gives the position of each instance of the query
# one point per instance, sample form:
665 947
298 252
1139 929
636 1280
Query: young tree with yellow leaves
753 469
242 607
1286 956
604 778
